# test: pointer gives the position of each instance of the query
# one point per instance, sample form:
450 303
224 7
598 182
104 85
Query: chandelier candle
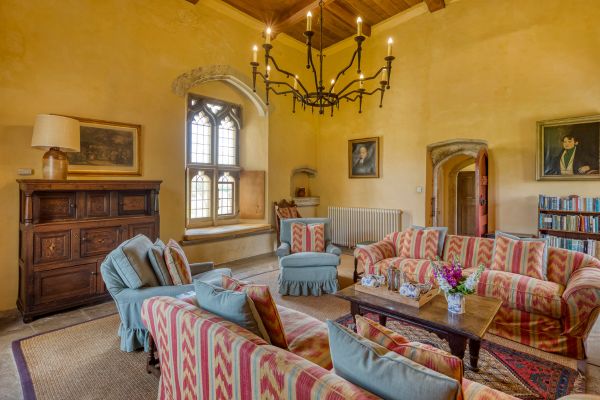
315 94
390 42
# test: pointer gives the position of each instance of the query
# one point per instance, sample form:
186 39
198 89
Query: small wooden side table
359 245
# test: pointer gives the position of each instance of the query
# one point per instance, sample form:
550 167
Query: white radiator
354 225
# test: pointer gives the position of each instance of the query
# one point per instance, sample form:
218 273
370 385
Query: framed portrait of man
363 158
569 149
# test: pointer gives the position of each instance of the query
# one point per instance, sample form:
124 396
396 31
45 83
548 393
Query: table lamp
58 135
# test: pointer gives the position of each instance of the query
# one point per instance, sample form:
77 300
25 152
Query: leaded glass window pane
225 193
200 196
227 142
200 139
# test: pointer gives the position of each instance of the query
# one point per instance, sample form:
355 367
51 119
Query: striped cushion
177 264
428 356
397 238
519 257
522 292
470 251
308 238
421 243
265 305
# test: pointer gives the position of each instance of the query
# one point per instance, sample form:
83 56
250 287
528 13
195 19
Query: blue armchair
309 273
130 279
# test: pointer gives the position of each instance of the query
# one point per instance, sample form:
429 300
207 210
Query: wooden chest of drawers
66 228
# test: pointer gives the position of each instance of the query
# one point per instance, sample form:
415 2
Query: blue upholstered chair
303 274
130 279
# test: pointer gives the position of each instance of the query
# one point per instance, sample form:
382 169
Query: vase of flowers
454 285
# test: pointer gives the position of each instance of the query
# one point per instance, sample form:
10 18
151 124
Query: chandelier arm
369 78
284 83
343 71
358 93
312 66
287 73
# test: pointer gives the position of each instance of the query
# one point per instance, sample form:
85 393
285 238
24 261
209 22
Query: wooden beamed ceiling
339 16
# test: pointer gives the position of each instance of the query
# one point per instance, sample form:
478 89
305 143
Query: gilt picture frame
107 148
568 149
364 158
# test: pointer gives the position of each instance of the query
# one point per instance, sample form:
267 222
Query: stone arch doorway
445 161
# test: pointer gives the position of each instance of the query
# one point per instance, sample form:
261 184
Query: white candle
390 42
309 21
268 70
359 26
255 53
296 82
333 86
384 75
268 36
362 82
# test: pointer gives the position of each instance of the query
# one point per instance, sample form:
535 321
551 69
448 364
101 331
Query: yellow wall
478 69
115 60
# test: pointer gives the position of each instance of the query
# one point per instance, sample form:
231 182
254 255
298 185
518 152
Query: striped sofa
203 356
553 315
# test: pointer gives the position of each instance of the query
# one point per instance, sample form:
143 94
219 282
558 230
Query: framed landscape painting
569 149
107 148
363 158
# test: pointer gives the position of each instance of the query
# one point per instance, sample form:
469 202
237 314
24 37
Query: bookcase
570 222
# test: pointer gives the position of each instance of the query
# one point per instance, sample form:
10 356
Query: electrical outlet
419 189
25 171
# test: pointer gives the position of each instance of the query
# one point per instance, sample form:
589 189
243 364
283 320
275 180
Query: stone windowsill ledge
224 232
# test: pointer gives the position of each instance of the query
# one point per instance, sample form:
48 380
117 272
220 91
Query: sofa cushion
442 238
132 263
265 305
522 292
236 307
383 372
471 252
519 256
177 264
306 336
309 260
424 354
308 237
421 243
157 260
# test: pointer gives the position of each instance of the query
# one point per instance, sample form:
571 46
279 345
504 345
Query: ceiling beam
193 1
435 5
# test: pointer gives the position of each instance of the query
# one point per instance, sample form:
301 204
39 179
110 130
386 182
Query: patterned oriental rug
511 371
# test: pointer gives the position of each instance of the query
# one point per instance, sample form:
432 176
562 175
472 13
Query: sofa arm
333 249
198 268
368 256
582 297
283 250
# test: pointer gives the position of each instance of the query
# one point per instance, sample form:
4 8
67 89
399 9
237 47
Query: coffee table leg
458 345
474 346
382 319
354 310
355 275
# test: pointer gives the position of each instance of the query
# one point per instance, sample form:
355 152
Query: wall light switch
419 189
25 171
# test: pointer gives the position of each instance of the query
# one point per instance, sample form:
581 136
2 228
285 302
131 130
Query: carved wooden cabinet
66 229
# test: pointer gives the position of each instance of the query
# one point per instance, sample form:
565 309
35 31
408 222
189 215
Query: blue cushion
384 372
309 259
132 264
235 307
544 256
157 260
214 276
442 238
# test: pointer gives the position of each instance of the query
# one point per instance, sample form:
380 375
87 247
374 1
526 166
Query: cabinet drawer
51 246
97 204
53 206
96 241
134 203
63 283
146 229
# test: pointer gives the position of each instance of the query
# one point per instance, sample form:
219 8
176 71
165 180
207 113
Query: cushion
546 248
265 305
309 237
442 238
519 256
429 356
383 372
236 307
397 238
421 243
157 260
132 263
471 252
177 264
299 260
522 292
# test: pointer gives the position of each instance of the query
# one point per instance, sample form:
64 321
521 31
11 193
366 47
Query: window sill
224 232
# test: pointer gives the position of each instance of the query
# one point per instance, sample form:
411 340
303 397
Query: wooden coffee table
434 317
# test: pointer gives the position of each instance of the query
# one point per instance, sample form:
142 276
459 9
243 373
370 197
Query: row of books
569 203
588 246
575 223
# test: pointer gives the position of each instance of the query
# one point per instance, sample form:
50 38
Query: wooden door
481 177
466 201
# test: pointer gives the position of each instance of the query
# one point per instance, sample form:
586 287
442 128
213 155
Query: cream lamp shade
55 131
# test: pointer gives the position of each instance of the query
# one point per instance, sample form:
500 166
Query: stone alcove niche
302 177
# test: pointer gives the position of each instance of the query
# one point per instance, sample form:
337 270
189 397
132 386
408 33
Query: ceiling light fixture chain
320 97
